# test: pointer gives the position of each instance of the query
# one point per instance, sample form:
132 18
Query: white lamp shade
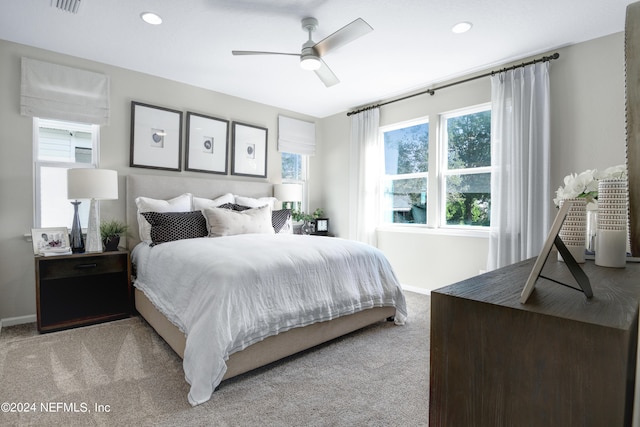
98 184
288 192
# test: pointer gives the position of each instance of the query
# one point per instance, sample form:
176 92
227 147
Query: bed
273 295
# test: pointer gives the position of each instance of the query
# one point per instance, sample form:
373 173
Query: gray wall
587 132
587 85
17 279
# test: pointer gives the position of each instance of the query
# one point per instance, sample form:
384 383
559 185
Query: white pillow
182 203
200 204
227 222
251 202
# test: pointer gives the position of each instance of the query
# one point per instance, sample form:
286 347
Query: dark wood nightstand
81 289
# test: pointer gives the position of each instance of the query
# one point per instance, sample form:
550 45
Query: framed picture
249 150
55 239
553 239
322 226
207 144
156 137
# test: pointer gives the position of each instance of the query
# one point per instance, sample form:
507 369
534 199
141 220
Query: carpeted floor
122 373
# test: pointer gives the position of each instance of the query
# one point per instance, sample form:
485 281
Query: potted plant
110 232
306 218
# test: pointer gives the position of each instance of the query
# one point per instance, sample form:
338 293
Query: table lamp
288 193
94 184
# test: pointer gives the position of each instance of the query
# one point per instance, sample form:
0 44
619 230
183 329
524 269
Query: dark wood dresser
559 360
81 289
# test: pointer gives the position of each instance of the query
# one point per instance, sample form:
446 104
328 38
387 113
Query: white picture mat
245 138
544 253
42 238
144 153
214 160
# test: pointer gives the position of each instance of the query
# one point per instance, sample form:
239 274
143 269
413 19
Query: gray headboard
167 187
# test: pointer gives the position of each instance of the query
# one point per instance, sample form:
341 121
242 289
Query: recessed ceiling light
461 27
151 18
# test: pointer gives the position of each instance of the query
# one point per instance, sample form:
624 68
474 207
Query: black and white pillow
234 207
281 221
170 226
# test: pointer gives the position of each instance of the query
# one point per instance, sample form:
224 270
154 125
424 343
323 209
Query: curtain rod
433 90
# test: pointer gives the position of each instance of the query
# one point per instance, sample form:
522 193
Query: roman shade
64 93
296 136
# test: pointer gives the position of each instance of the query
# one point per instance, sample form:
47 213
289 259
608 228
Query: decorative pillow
182 203
170 226
200 204
281 221
234 207
256 203
227 222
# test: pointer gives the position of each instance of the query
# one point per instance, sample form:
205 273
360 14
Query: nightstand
81 289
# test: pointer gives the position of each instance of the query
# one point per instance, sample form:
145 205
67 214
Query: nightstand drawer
81 266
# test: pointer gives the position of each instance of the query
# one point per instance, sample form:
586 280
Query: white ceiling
412 46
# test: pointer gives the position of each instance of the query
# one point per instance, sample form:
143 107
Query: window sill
419 229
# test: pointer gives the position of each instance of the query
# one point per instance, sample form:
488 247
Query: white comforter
226 293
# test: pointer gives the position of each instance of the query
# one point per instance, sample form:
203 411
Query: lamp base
94 242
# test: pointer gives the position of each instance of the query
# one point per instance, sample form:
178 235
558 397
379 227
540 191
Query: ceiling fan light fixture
151 18
310 62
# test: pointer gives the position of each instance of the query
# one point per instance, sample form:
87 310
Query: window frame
385 177
443 166
38 164
303 181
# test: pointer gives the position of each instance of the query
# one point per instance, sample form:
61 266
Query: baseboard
12 321
416 289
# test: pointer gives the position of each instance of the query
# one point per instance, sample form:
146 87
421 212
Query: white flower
585 184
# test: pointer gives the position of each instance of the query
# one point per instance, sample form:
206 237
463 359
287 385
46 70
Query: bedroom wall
587 132
17 280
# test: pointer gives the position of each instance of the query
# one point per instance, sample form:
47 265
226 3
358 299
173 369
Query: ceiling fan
312 52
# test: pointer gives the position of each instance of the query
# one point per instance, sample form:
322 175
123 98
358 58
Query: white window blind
64 93
296 136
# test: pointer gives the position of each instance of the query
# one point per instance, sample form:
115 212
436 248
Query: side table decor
611 247
574 229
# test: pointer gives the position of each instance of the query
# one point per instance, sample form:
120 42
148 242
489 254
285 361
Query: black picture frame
207 144
156 137
249 150
322 226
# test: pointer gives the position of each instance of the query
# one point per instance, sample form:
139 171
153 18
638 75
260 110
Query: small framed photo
249 150
156 137
54 239
322 226
207 144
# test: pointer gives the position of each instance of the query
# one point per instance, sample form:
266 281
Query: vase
611 239
111 243
574 229
592 230
306 227
76 239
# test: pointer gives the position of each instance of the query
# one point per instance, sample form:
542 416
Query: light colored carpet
378 376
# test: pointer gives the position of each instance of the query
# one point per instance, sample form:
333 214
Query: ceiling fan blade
344 35
326 75
256 52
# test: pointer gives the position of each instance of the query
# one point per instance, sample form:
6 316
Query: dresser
558 360
81 289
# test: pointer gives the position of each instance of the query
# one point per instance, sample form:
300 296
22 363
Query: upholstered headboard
167 187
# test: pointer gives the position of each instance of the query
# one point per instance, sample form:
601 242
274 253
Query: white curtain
55 91
520 187
364 167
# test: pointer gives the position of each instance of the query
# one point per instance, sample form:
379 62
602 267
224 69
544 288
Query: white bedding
256 285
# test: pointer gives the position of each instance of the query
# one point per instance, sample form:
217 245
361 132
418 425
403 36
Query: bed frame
270 349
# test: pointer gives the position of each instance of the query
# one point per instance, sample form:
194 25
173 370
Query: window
466 168
59 146
404 178
294 171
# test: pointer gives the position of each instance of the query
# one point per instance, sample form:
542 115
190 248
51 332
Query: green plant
113 228
301 216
